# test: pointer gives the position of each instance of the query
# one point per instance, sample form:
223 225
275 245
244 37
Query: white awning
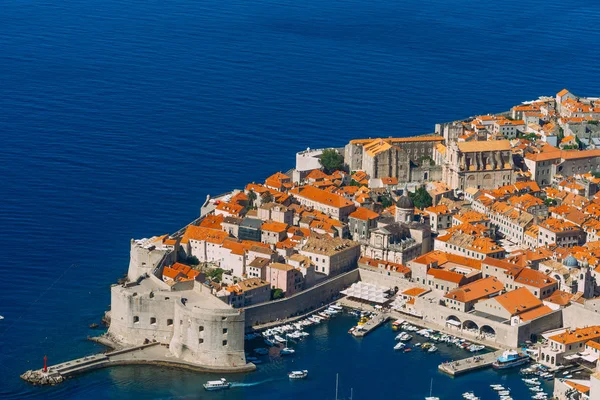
572 357
589 357
453 322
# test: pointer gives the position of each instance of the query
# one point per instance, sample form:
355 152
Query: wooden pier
466 365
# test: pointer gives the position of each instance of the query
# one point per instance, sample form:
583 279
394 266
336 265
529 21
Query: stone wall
505 334
301 302
210 337
577 316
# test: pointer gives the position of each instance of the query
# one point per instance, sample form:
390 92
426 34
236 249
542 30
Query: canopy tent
367 292
453 322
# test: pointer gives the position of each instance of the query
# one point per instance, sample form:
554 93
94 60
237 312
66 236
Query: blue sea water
118 117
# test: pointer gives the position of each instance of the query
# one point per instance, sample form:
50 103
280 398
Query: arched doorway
469 325
453 321
488 331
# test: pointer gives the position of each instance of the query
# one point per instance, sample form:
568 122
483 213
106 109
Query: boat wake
240 384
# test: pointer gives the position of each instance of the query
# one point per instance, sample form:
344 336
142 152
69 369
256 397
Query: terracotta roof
577 386
489 145
424 138
562 93
530 277
479 289
274 226
535 313
559 297
324 197
414 292
364 214
193 232
445 275
577 335
518 301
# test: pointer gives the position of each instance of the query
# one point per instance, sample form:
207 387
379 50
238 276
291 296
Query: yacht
221 384
298 374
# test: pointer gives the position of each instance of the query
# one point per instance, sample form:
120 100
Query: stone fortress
196 326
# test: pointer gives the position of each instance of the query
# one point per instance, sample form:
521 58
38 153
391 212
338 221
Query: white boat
336 307
399 346
221 384
298 374
430 397
279 339
498 388
432 349
287 351
504 393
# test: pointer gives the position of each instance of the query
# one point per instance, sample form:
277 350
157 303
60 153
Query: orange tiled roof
559 297
274 226
199 233
518 301
479 289
535 313
446 275
577 335
364 214
414 292
324 197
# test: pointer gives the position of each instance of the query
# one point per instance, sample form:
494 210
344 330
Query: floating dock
371 324
466 365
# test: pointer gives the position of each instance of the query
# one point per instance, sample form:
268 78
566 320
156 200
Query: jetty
371 324
466 365
147 354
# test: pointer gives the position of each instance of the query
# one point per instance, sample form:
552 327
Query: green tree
549 202
276 294
216 274
331 160
251 198
192 260
421 198
386 201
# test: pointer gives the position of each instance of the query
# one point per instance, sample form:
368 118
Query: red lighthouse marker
45 366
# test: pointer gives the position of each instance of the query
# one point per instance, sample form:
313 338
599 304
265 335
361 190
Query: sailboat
287 350
430 397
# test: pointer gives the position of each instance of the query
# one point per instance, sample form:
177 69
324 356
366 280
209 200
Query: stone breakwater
42 378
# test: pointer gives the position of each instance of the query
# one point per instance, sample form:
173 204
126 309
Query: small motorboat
221 384
287 351
298 374
399 346
432 349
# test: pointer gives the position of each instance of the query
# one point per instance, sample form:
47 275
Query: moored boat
510 359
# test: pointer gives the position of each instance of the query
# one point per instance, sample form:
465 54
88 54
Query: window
224 342
200 329
224 330
169 322
200 341
136 319
152 321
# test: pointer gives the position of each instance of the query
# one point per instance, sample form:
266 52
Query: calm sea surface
117 118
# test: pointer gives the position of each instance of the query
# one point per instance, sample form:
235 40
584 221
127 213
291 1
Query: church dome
570 261
405 202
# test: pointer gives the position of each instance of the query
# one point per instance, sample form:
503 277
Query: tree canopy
421 198
331 160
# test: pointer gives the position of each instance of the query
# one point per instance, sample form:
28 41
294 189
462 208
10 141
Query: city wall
301 302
